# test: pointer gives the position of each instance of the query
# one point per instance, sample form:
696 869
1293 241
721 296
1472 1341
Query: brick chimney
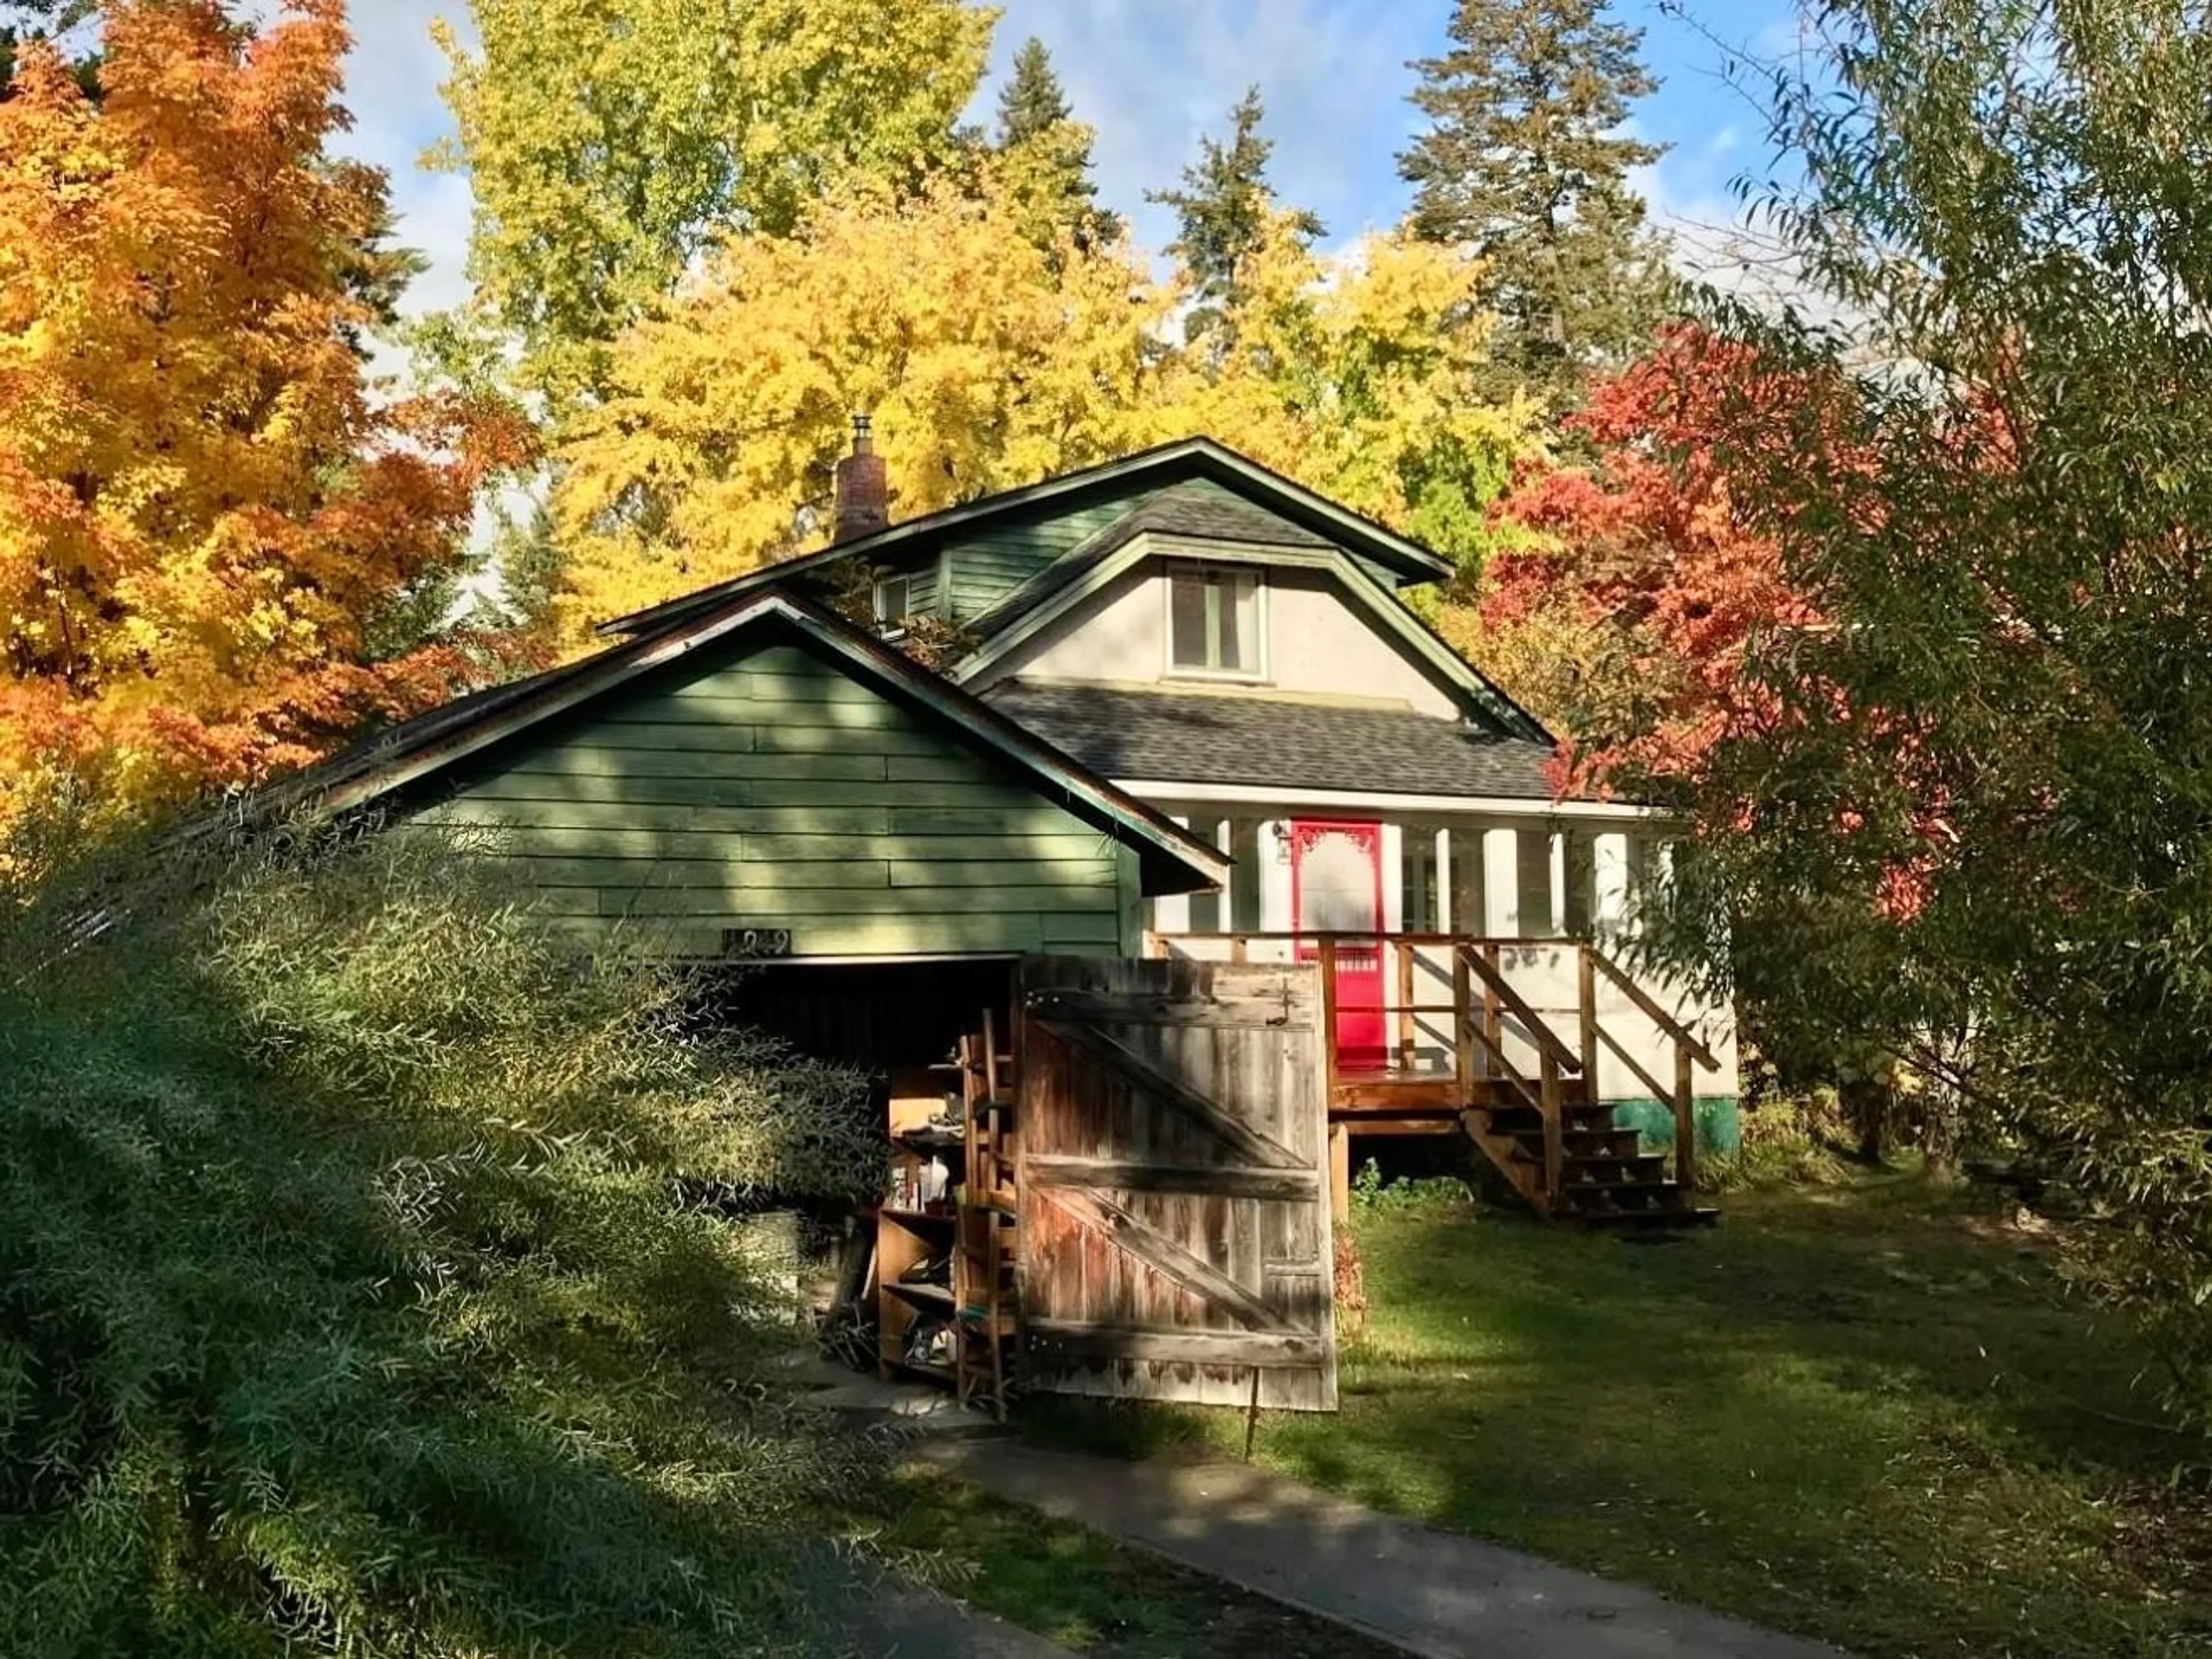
864 488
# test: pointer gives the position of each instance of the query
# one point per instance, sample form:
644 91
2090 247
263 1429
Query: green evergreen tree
1032 102
1222 211
1527 164
1047 153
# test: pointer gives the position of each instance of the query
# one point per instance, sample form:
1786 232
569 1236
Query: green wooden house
1187 711
768 781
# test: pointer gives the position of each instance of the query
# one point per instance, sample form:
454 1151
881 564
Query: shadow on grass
1866 1413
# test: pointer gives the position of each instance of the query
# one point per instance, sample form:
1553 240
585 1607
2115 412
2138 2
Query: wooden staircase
1606 1178
1562 1150
1516 1087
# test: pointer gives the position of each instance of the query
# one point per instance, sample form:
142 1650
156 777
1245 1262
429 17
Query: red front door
1336 887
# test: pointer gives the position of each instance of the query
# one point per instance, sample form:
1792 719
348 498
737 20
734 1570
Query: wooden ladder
1558 1145
988 1222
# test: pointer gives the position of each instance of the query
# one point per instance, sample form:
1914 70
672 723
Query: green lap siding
983 568
769 789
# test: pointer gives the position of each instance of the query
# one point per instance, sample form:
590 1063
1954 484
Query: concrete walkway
905 1623
1428 1592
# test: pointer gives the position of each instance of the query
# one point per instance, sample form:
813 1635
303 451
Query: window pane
1467 916
1244 845
1187 619
1240 622
891 604
1534 847
1206 908
1581 882
1418 881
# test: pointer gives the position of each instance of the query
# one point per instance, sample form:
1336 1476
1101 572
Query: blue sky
1152 74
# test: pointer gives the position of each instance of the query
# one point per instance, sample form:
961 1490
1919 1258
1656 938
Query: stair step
1527 1120
1646 1170
1586 1143
1595 1169
1603 1143
1624 1194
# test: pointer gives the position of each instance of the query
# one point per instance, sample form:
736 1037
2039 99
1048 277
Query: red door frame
1362 1017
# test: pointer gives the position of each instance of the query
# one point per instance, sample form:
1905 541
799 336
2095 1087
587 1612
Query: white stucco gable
1314 641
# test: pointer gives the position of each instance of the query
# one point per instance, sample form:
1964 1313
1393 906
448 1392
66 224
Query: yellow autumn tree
987 359
1359 374
607 141
208 521
991 363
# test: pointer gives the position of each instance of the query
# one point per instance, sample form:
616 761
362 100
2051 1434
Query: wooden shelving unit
959 1248
913 1229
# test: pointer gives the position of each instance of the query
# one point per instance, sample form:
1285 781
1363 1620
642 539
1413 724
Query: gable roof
1058 589
1172 860
1285 503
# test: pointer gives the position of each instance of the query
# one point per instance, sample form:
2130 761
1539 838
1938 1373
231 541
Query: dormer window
894 602
1213 623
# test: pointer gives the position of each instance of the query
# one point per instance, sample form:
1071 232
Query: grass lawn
1866 1413
1081 1588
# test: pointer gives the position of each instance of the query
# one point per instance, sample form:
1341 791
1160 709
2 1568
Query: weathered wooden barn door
1175 1239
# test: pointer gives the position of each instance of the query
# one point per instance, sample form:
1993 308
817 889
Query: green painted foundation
1720 1129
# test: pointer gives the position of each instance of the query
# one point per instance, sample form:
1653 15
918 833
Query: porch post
1328 1016
1556 924
1501 885
1447 921
1609 875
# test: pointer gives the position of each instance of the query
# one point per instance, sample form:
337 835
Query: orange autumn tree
212 521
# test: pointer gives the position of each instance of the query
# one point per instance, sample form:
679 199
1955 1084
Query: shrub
359 1290
1372 1191
1789 1139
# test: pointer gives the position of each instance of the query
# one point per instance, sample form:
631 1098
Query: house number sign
756 943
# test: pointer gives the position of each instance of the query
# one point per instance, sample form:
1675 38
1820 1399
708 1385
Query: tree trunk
1939 1132
1866 1105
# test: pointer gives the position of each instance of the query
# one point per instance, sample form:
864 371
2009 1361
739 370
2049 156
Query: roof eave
1211 458
1159 837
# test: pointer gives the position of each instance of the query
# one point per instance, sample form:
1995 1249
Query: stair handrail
1652 1008
1543 1096
1546 1040
1681 1099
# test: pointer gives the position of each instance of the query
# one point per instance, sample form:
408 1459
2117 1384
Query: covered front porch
1530 1047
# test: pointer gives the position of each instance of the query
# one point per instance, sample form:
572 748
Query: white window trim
1172 670
892 627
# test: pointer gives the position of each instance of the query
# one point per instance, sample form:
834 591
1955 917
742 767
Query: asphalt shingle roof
1182 737
1192 510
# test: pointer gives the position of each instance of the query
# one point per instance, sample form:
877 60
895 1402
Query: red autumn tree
211 520
1627 601
1640 588
1646 605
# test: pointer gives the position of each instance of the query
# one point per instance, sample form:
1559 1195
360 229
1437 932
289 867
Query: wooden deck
1484 1062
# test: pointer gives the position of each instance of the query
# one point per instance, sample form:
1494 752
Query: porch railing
1489 1017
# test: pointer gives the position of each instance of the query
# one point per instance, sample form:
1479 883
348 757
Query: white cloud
392 78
